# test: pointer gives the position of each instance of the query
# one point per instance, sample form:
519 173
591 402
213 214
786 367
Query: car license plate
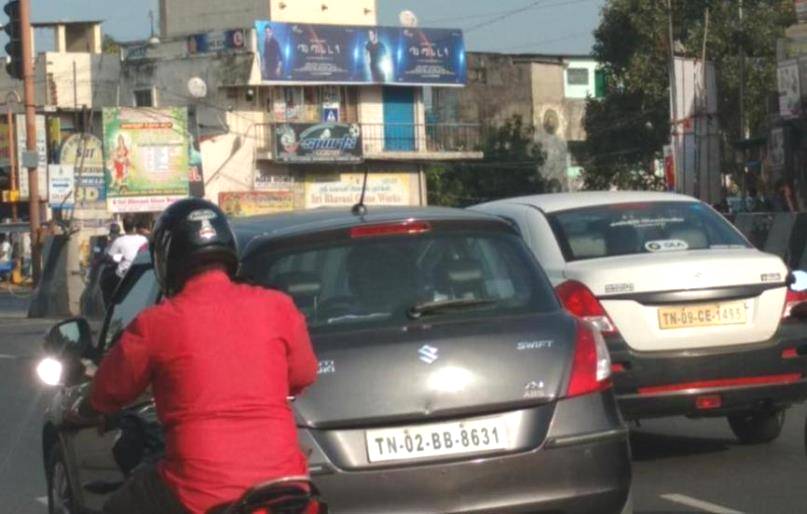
703 315
439 440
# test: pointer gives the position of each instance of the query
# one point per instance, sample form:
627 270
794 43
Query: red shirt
222 359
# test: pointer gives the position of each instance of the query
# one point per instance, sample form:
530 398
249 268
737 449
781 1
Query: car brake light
591 365
792 300
580 301
408 227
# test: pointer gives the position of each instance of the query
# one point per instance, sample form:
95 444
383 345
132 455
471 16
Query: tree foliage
109 45
510 168
628 128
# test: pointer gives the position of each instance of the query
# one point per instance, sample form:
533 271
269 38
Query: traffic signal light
13 29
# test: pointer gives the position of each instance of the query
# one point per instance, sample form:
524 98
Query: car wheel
628 508
60 496
757 427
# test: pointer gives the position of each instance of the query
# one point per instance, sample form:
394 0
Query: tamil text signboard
253 203
295 52
318 143
345 191
146 154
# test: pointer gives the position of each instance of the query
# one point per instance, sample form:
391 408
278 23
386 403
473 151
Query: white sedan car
698 322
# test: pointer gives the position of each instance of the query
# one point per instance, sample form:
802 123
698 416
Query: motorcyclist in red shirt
221 360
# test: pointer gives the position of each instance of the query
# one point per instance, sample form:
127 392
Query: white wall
580 91
183 17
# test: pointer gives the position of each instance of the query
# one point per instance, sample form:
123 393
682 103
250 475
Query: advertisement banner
84 153
146 152
789 89
61 186
387 189
295 52
297 143
5 145
42 150
254 203
217 41
801 10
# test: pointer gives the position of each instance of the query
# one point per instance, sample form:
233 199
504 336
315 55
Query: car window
653 227
357 284
138 293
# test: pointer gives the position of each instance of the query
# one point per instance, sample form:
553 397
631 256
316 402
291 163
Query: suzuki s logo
429 354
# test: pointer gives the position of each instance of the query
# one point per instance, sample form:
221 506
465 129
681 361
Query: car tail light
580 301
404 228
591 365
792 300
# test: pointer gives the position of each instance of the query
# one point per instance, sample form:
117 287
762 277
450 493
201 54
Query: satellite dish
408 19
197 87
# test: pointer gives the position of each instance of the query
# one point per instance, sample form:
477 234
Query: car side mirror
70 338
66 344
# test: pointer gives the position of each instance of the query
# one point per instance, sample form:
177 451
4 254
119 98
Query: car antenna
360 209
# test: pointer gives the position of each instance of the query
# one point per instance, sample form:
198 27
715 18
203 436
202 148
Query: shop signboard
84 153
297 143
254 203
219 41
801 10
334 54
61 186
146 153
789 89
41 150
345 190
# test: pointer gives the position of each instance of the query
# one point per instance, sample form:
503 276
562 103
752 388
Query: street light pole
30 143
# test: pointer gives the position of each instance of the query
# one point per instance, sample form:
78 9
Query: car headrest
298 284
694 237
621 240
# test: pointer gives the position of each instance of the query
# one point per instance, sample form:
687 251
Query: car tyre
757 427
60 494
628 508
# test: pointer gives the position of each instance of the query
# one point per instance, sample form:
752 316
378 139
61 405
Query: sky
513 26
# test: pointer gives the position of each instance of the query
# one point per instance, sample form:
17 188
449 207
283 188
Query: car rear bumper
728 380
574 471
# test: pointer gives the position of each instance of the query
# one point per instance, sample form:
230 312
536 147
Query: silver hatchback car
450 378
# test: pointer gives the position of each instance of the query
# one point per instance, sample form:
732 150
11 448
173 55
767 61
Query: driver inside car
221 359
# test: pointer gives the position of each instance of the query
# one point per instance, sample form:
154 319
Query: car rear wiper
425 308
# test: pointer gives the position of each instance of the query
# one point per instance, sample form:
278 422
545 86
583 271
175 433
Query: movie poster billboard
295 52
302 143
146 153
84 154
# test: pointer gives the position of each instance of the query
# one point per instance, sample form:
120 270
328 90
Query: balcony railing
420 137
403 140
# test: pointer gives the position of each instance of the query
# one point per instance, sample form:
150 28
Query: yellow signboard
254 203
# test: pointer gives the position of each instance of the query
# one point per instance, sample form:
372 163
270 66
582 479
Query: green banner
146 153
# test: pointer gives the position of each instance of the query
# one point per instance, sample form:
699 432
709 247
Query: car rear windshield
388 281
637 228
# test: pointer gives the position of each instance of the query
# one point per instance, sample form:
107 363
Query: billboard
228 40
61 185
789 83
318 143
254 203
296 52
42 150
146 152
345 190
84 155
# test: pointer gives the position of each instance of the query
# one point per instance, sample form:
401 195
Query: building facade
548 92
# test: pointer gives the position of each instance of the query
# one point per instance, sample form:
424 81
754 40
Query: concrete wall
498 88
335 12
183 17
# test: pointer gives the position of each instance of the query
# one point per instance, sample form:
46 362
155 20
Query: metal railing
421 137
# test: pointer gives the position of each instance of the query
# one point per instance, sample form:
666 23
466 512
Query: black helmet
189 234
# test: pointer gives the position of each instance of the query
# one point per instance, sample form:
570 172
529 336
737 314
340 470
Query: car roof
566 201
302 222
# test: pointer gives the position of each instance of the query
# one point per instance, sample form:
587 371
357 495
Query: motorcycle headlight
50 371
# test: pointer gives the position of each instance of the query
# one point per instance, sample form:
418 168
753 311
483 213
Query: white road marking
42 499
699 504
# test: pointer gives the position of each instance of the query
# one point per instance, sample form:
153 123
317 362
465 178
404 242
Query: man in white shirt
125 248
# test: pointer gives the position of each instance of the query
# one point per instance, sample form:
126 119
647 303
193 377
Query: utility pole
30 143
743 125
